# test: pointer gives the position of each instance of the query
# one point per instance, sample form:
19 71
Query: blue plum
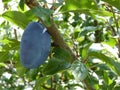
35 45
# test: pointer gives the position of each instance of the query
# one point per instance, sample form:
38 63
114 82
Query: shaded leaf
40 82
55 65
21 4
62 54
115 3
43 13
21 70
4 56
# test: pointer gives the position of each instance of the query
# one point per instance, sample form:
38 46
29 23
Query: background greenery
91 28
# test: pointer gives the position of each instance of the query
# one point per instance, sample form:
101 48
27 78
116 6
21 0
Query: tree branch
53 31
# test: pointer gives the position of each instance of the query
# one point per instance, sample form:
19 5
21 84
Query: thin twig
15 33
114 16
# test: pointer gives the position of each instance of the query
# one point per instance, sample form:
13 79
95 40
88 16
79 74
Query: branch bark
53 31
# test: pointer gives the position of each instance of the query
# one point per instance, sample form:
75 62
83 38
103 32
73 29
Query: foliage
89 27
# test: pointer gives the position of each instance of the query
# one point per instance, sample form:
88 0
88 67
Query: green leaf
115 3
106 54
32 73
85 50
55 65
106 78
111 42
2 64
62 54
117 87
78 4
6 1
102 49
87 30
79 71
43 13
92 12
30 15
21 4
4 56
84 6
40 82
17 18
21 70
10 44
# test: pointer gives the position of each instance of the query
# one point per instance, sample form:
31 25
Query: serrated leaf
43 13
55 65
79 71
17 18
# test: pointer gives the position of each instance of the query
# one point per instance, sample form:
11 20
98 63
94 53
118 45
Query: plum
35 45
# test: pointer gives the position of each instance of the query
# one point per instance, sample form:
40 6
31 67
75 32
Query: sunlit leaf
111 42
85 50
6 1
77 4
17 18
30 15
2 64
87 30
10 44
106 55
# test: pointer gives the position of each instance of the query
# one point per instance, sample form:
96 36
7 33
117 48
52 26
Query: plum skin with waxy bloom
35 45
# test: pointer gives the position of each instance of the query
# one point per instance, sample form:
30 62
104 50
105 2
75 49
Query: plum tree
35 45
